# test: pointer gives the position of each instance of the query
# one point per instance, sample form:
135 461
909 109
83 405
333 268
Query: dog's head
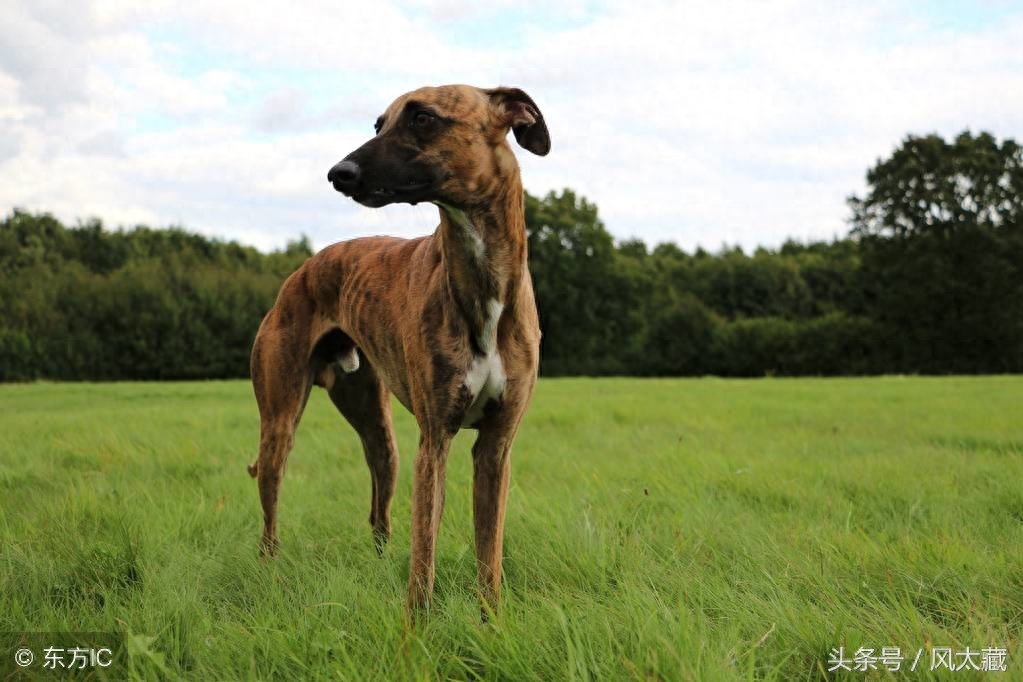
446 144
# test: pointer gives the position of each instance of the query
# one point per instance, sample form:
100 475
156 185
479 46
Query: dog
447 322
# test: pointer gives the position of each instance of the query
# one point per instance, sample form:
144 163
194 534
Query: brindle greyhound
447 323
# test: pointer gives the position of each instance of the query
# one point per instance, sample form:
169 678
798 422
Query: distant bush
828 345
87 303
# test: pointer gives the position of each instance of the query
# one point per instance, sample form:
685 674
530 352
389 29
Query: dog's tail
253 469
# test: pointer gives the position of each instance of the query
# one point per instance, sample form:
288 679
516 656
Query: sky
703 123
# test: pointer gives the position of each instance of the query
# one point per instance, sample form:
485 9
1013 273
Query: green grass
656 529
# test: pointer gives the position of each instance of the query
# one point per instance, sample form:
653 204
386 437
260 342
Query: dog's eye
422 119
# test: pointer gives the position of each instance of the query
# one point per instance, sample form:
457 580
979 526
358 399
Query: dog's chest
485 379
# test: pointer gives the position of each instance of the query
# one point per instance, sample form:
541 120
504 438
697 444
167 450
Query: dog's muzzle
344 176
348 178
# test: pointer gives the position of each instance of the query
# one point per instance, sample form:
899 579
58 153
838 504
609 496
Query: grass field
657 529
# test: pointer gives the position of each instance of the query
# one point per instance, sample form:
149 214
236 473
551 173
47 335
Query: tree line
929 280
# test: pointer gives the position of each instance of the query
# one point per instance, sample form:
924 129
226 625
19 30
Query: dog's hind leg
364 401
281 379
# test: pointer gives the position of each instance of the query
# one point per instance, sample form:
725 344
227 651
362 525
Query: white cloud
716 122
700 122
41 43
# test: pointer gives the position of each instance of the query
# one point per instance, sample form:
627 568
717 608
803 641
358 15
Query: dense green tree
87 303
588 303
941 238
681 340
930 186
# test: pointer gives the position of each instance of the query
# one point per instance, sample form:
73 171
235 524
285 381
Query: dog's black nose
344 175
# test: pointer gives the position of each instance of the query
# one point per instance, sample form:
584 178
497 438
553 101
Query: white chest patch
486 378
485 381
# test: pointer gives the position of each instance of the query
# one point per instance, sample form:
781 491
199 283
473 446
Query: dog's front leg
427 507
491 461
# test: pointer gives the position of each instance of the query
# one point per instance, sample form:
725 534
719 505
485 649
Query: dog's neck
483 250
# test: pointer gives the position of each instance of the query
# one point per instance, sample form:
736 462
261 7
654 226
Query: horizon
105 226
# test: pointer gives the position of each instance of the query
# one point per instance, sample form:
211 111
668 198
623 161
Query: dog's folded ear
521 114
